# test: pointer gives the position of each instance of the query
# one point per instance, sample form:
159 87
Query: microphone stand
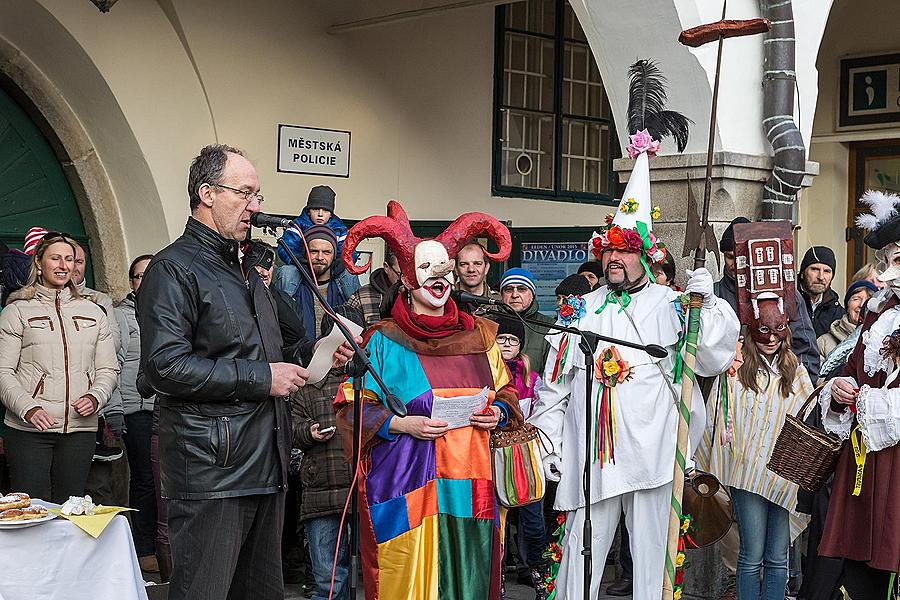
588 345
357 368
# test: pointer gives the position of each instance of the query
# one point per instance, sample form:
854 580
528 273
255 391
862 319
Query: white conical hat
636 204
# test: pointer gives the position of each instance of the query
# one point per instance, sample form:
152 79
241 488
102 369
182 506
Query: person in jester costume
429 519
634 396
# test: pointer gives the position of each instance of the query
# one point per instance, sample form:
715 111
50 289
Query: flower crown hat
631 227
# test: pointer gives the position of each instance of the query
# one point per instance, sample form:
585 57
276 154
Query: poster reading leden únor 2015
550 263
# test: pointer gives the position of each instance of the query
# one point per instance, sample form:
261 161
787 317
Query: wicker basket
803 454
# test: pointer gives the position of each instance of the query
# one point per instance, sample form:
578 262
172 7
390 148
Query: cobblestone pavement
514 591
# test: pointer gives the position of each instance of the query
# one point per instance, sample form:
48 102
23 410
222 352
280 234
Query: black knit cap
321 196
573 285
592 266
816 255
727 242
510 326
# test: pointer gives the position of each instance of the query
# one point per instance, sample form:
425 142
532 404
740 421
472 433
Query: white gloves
552 467
700 281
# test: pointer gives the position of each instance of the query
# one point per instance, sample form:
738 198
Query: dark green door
33 189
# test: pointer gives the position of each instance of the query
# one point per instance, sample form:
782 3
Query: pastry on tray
14 500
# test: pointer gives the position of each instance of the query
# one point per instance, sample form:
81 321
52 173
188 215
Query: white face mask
431 261
890 271
433 295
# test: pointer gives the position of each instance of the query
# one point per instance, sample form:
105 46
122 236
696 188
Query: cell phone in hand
326 430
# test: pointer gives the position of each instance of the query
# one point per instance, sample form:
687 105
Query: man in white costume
638 475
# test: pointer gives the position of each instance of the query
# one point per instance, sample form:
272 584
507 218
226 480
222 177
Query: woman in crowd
139 427
770 384
58 367
855 299
867 272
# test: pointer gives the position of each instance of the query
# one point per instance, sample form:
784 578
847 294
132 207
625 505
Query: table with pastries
56 560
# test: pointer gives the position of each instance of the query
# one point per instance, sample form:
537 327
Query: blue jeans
322 533
765 537
532 535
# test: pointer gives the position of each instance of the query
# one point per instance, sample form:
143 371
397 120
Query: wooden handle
815 394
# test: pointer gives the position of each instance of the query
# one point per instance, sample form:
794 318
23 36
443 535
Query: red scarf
425 327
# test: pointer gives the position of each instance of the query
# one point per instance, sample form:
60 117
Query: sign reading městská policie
313 151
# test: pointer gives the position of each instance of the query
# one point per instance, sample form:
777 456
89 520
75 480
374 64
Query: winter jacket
131 337
207 338
369 299
341 286
536 345
104 302
54 349
292 239
836 334
803 339
826 312
324 472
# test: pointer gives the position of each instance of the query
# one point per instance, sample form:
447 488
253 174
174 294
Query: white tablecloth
58 561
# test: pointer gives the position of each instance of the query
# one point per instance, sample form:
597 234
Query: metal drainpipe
779 78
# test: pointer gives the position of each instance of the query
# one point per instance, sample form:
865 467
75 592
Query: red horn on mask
394 229
469 226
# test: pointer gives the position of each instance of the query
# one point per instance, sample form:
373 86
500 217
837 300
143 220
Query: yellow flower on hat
629 206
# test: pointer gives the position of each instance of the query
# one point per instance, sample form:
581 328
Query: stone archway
87 177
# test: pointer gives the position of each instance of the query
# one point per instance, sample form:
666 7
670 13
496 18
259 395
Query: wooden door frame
859 152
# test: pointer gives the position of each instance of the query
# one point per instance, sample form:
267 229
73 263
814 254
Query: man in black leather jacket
212 351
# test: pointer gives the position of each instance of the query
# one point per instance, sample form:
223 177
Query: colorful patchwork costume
429 520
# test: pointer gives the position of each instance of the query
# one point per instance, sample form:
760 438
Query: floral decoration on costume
554 555
572 309
610 369
655 213
629 206
642 141
680 559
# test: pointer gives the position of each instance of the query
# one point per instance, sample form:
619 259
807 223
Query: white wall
854 28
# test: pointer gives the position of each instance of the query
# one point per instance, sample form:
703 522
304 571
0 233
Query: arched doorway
33 188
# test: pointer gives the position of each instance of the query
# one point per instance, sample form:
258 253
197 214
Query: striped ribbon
684 419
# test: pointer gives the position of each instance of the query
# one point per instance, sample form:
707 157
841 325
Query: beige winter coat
54 349
836 334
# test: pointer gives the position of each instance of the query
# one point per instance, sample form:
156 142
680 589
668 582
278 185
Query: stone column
737 185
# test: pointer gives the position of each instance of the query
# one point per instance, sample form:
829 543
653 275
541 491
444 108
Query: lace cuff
835 422
878 413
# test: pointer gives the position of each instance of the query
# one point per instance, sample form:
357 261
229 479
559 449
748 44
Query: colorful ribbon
623 299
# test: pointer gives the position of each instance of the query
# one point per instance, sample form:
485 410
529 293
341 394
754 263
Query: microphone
460 296
263 220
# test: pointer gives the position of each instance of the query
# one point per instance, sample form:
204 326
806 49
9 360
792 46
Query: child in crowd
529 519
770 384
319 210
664 272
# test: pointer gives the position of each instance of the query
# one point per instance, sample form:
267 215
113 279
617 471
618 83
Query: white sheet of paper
323 357
456 411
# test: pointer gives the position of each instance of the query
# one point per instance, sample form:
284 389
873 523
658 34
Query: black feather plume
646 101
